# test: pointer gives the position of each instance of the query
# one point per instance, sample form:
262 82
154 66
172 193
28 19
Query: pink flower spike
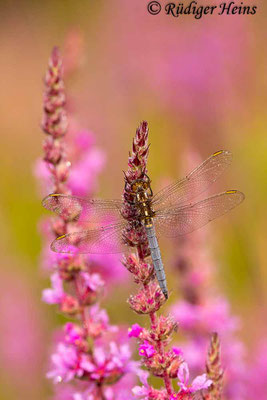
146 350
54 295
87 353
135 330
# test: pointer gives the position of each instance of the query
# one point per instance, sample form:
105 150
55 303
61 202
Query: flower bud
163 328
62 171
175 360
149 299
90 287
142 272
68 266
69 305
53 150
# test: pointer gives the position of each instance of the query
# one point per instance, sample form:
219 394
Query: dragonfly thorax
143 202
141 197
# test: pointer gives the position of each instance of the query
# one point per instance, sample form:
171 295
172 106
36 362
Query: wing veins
108 232
79 209
195 183
186 219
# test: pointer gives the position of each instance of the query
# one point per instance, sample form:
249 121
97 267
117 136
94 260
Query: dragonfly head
138 186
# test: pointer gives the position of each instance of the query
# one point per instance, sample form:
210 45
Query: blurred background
200 84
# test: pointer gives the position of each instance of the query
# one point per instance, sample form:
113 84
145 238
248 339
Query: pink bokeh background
201 86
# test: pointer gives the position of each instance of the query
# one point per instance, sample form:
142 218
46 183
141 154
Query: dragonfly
171 212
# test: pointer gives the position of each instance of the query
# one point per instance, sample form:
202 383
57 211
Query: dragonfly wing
186 219
105 240
184 190
79 209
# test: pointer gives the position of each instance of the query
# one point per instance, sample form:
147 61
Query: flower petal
183 374
201 382
139 391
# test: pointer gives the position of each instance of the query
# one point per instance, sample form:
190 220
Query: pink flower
199 383
110 267
109 366
135 330
73 333
144 390
92 282
97 322
200 319
66 364
84 140
120 390
90 287
68 304
56 294
146 350
122 357
84 396
147 300
82 179
177 351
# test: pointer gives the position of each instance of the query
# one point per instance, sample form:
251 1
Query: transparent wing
186 219
184 190
105 240
79 209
